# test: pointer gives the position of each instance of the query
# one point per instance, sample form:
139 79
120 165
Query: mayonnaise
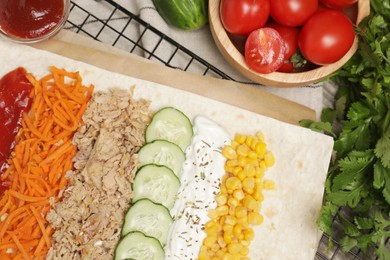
200 181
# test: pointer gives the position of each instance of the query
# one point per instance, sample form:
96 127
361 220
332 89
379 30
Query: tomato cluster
275 30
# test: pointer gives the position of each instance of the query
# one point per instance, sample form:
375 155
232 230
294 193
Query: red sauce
30 18
15 99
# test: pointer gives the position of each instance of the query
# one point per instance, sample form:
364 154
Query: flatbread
302 156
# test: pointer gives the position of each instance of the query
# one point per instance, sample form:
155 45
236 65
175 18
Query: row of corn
230 228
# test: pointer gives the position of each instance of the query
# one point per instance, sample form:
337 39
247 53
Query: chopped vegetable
42 155
229 232
359 176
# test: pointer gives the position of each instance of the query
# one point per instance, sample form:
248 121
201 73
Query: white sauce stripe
200 181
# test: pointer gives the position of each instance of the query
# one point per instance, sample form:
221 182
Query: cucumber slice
170 124
149 218
164 153
136 245
157 183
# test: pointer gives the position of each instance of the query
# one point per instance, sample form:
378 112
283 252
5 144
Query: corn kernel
252 155
255 218
262 165
258 194
242 161
241 175
232 163
249 170
221 242
228 168
260 136
223 189
233 202
243 221
237 256
269 159
237 230
232 211
210 240
245 242
234 248
221 199
241 212
233 183
244 251
219 254
227 256
249 140
212 214
215 247
222 210
212 227
259 172
243 150
238 195
254 143
227 236
248 184
230 220
249 202
236 170
240 138
249 234
234 144
227 228
229 153
260 149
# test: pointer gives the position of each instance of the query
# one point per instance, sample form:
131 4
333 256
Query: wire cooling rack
115 25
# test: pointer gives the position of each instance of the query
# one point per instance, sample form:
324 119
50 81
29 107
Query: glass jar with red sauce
29 21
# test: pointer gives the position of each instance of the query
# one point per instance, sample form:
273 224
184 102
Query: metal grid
115 27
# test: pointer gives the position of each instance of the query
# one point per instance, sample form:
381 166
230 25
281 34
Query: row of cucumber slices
155 186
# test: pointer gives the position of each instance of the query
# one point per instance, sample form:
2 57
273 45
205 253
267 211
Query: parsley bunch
357 189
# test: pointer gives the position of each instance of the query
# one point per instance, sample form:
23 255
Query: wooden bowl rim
276 79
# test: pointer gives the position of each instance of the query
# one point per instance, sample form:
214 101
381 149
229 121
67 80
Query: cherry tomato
326 37
244 16
290 37
292 12
339 4
264 50
287 67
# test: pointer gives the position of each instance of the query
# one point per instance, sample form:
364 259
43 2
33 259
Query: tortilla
302 156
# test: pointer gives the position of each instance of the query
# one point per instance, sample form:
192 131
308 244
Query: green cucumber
183 14
170 124
162 152
150 218
157 183
136 245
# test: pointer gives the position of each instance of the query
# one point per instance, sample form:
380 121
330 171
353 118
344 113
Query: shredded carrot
42 155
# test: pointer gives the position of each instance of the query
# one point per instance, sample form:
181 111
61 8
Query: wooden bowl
232 54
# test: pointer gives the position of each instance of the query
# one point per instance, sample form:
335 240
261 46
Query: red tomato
244 16
290 37
287 67
264 50
326 37
339 4
292 12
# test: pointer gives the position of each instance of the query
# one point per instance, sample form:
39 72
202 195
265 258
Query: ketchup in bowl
15 92
26 20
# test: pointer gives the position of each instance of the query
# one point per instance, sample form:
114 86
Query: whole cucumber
183 14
